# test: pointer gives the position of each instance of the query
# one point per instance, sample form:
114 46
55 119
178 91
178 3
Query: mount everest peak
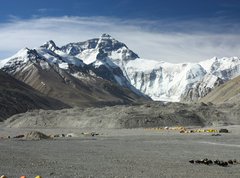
88 50
109 59
50 45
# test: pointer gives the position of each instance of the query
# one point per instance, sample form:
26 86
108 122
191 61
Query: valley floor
119 153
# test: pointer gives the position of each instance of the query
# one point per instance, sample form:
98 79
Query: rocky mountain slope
67 78
105 58
229 92
17 97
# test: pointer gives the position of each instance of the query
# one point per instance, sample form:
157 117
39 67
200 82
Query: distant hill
228 92
17 97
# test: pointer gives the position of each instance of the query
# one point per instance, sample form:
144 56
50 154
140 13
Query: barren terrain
119 153
126 143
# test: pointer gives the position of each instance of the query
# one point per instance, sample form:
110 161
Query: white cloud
168 41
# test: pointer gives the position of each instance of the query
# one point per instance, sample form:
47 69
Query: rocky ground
152 114
123 143
119 153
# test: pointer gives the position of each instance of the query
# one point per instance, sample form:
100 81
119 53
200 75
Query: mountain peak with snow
106 36
50 45
106 44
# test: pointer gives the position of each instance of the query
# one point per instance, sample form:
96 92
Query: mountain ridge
58 75
112 60
166 81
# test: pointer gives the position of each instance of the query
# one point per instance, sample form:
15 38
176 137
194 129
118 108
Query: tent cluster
177 128
204 131
199 131
186 130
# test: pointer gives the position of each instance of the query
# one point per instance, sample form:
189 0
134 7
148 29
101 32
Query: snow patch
63 65
44 65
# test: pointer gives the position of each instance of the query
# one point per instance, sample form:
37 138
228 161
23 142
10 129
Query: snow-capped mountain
99 64
57 74
157 79
176 82
105 47
109 59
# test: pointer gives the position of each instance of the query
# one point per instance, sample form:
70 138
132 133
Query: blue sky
148 9
172 30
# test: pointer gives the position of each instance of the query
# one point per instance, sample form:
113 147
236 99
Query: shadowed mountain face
229 92
17 97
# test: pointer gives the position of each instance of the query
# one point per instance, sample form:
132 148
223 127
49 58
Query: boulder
34 135
223 131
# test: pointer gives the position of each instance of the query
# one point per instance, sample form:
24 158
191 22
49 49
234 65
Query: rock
223 131
182 131
88 134
34 135
203 104
209 103
235 161
71 135
94 134
224 164
19 136
59 135
207 161
221 163
216 161
191 161
210 162
198 161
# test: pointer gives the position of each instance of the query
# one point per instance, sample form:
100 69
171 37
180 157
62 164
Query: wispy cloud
42 10
168 40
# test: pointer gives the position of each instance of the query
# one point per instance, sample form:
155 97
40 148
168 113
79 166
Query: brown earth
17 97
229 92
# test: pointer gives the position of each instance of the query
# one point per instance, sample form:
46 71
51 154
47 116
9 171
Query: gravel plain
119 153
